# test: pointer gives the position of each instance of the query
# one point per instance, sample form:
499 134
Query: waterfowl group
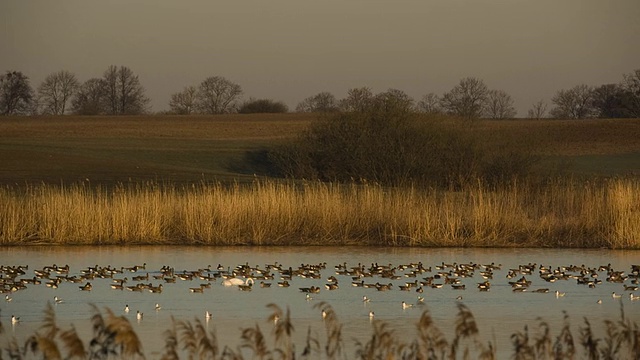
411 277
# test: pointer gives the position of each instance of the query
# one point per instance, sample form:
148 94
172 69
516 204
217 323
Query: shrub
253 106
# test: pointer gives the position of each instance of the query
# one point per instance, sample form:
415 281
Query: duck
57 300
126 308
207 315
634 297
371 315
559 294
158 307
199 289
139 315
615 296
365 299
406 306
542 291
308 297
8 298
14 319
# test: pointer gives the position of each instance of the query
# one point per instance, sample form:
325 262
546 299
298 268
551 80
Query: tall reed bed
559 213
113 337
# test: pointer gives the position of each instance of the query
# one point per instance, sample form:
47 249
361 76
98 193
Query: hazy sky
290 49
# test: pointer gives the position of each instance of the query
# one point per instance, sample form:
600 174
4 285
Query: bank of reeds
114 337
555 214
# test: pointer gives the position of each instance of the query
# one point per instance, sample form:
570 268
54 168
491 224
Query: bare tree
429 104
184 102
499 105
16 95
123 92
217 95
321 102
466 99
357 100
575 103
55 92
631 85
538 110
90 99
394 100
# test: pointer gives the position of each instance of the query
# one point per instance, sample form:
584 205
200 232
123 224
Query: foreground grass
556 214
114 337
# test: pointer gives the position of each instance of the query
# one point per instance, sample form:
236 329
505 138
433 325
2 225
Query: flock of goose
412 277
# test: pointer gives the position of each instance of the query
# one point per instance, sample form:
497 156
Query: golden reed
560 213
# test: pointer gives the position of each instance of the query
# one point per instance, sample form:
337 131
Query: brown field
183 149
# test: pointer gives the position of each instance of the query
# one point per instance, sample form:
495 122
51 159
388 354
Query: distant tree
321 102
217 95
357 100
55 92
123 92
538 110
429 104
466 99
393 100
575 103
253 106
184 102
90 98
610 101
499 105
631 85
16 95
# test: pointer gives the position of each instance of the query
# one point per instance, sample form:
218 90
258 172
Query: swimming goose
86 287
543 290
156 289
197 290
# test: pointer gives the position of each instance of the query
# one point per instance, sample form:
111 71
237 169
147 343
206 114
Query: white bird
634 297
559 294
126 308
324 314
421 299
207 315
308 297
14 319
365 299
371 315
139 315
615 296
158 307
237 281
406 306
57 300
599 301
8 298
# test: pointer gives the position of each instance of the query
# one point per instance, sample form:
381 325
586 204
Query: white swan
237 281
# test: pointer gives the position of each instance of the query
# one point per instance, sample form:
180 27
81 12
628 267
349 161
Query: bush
263 106
392 145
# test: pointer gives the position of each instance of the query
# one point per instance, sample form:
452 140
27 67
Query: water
499 312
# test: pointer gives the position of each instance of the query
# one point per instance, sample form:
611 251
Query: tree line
119 92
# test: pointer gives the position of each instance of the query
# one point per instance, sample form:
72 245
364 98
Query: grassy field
165 180
182 149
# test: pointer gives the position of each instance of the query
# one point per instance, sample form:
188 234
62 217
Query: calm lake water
499 312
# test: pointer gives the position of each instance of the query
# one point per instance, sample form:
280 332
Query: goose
86 287
57 300
126 308
197 290
14 319
139 315
542 291
371 315
155 289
